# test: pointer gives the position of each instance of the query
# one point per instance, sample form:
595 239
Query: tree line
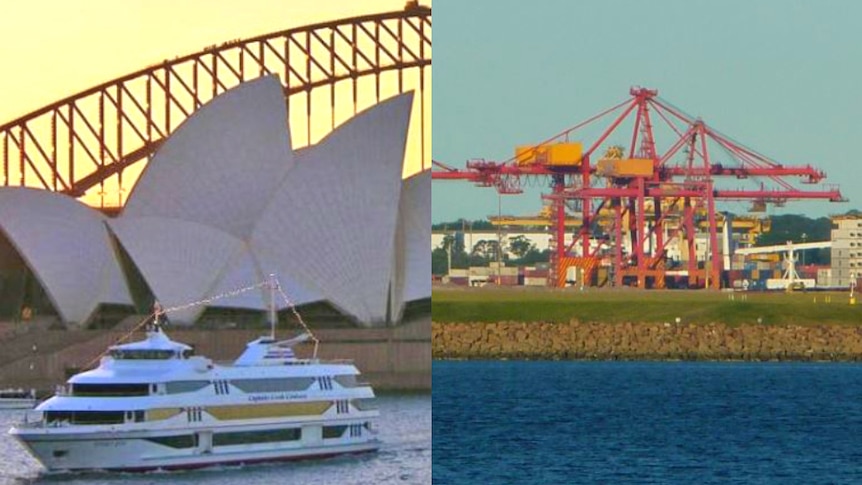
516 251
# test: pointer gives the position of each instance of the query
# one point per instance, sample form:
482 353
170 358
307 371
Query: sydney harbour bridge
89 143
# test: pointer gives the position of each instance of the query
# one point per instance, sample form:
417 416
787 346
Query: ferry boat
17 399
153 404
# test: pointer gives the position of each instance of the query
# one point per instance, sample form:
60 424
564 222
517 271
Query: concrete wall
396 358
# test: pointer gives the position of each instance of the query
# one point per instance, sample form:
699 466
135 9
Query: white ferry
153 404
17 399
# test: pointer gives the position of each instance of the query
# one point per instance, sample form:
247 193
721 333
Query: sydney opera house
225 202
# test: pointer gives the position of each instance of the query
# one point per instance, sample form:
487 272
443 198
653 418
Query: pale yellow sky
51 49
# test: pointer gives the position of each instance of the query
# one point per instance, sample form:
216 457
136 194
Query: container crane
623 179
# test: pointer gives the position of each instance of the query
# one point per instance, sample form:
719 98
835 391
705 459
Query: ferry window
110 390
58 416
181 441
273 385
98 417
364 404
250 437
188 353
346 380
179 387
85 417
139 416
334 431
121 354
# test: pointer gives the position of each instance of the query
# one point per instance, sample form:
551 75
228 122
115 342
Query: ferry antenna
273 285
273 316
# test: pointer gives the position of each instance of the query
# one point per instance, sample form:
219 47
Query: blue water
608 422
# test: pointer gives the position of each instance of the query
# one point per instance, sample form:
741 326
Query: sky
780 76
51 49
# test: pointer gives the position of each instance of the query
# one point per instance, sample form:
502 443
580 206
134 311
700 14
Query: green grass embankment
490 304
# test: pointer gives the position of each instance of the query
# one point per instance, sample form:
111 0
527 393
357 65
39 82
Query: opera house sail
226 201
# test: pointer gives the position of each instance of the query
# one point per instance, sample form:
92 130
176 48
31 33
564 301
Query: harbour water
628 422
405 458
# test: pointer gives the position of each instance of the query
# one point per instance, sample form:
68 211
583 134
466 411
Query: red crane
652 196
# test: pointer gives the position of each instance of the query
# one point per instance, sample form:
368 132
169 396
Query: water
404 458
608 422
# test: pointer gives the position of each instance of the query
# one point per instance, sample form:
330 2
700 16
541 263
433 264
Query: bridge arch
329 70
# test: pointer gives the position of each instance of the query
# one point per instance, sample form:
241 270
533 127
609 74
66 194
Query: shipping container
565 154
824 277
504 280
781 284
535 281
555 154
536 273
602 277
481 271
513 271
629 167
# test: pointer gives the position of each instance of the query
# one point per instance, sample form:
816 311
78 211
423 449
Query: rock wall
632 341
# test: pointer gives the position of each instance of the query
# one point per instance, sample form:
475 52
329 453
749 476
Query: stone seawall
641 341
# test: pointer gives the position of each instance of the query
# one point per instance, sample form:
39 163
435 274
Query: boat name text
278 397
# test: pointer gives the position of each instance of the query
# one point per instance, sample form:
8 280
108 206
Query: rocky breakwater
645 341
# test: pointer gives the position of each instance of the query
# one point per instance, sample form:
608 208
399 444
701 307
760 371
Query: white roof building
67 247
332 223
225 202
412 279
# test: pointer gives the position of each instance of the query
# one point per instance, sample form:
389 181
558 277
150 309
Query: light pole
804 237
499 240
449 244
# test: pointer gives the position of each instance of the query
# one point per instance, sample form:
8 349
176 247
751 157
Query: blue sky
782 77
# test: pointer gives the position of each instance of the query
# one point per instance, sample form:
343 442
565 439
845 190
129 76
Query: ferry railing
32 419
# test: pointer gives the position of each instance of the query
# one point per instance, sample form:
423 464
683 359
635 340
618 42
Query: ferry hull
137 454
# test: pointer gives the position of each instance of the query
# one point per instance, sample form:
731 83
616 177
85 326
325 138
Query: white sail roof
66 245
340 204
180 260
413 260
221 166
247 267
225 202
